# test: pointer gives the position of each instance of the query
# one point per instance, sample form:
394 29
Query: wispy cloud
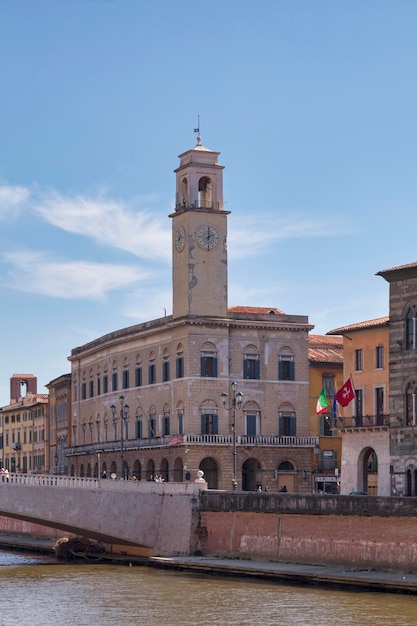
109 222
264 230
12 198
35 272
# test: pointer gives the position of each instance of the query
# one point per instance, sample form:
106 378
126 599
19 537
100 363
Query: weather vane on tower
197 130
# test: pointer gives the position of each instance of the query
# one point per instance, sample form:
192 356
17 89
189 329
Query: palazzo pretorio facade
212 387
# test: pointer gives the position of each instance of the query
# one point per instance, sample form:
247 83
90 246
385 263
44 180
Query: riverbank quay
308 575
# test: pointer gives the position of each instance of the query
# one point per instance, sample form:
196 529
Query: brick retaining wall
352 538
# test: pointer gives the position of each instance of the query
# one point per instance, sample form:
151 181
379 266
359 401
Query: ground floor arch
251 475
178 470
211 472
286 477
164 470
137 470
368 471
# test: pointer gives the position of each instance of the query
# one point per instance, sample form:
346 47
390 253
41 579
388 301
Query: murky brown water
36 592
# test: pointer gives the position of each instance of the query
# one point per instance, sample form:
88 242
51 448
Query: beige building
58 423
149 399
24 419
365 423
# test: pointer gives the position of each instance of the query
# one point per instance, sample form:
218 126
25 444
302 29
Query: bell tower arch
199 235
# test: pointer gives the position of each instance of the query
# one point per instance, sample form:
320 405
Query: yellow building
325 356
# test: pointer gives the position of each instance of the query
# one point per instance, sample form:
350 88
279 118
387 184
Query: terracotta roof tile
324 349
256 310
379 321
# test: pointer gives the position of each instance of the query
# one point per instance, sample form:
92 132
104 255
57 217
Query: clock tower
199 235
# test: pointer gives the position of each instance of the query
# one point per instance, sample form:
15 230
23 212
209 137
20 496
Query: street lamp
237 399
317 450
124 414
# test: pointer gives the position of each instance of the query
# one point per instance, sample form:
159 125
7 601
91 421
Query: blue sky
311 104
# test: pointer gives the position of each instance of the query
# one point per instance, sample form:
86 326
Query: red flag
346 393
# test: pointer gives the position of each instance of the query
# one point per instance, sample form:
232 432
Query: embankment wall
362 532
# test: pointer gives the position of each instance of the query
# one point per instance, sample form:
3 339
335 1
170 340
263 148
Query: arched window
205 192
152 423
151 369
208 361
410 330
184 192
410 404
179 362
138 371
165 366
180 418
286 369
287 425
125 375
252 419
251 369
209 419
166 422
138 423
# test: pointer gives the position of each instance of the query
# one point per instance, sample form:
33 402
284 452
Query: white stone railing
50 480
77 482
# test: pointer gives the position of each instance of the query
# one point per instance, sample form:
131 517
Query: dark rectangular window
251 425
138 376
138 429
251 368
91 388
379 357
287 425
114 381
358 360
326 425
105 383
286 370
166 425
152 428
152 374
379 400
83 391
209 365
359 403
98 385
125 379
180 424
328 386
209 424
165 371
179 367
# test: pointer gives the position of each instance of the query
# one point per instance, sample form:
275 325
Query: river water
37 591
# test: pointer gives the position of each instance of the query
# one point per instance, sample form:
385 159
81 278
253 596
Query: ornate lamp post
124 414
237 399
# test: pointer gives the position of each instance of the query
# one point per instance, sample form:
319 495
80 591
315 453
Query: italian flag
322 404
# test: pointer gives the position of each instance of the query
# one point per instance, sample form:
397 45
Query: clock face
207 237
180 239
